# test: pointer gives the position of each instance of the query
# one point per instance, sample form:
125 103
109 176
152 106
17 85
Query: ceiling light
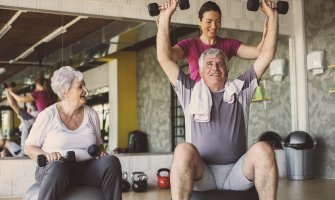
25 54
8 26
4 30
54 34
2 70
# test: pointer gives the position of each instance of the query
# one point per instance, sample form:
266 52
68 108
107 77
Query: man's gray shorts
223 177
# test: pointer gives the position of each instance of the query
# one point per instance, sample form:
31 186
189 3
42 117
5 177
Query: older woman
70 125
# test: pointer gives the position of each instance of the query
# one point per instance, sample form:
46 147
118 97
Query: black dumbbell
153 8
282 6
93 150
139 180
124 183
42 159
11 84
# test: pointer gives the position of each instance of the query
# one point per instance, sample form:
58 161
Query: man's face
214 73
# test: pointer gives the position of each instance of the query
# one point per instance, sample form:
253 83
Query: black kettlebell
139 180
124 183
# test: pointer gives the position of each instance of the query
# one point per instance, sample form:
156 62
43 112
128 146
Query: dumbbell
153 8
139 180
11 84
282 6
93 150
125 185
42 159
163 182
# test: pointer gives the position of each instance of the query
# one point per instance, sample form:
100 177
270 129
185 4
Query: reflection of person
70 125
210 24
9 148
27 118
216 119
43 95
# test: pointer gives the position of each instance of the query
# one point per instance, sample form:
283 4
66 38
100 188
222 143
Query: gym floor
287 190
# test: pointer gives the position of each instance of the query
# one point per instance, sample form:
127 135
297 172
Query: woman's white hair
62 79
211 52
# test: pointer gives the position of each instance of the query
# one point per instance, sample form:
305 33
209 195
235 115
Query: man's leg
187 166
260 166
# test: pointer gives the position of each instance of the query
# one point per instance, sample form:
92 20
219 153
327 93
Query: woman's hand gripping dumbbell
95 151
43 159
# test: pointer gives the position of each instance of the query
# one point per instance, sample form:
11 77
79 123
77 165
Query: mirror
127 86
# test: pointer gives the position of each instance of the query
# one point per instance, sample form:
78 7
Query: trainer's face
210 23
214 72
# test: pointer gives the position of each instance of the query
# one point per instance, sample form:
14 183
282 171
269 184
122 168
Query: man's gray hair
62 79
211 52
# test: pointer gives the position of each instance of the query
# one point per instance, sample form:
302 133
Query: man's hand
167 8
269 8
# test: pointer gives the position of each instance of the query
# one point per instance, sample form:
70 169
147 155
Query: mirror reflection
126 85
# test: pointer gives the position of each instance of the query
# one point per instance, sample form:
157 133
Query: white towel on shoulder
231 89
201 102
201 98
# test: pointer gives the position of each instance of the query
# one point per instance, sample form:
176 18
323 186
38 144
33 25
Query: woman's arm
27 98
177 53
252 52
32 151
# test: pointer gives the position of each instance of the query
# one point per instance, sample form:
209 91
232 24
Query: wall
127 98
320 34
153 101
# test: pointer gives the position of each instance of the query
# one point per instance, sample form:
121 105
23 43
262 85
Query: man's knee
186 154
185 150
263 151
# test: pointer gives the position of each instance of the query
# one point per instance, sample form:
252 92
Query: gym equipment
282 6
139 180
137 141
163 182
42 159
273 138
93 150
11 84
124 183
153 8
299 150
77 192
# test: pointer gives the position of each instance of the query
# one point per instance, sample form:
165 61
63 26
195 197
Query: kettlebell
139 180
124 183
163 182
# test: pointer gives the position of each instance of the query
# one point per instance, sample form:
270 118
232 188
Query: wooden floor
317 189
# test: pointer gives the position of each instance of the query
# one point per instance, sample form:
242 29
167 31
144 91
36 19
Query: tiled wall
17 175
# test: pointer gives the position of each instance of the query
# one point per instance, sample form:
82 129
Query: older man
216 117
